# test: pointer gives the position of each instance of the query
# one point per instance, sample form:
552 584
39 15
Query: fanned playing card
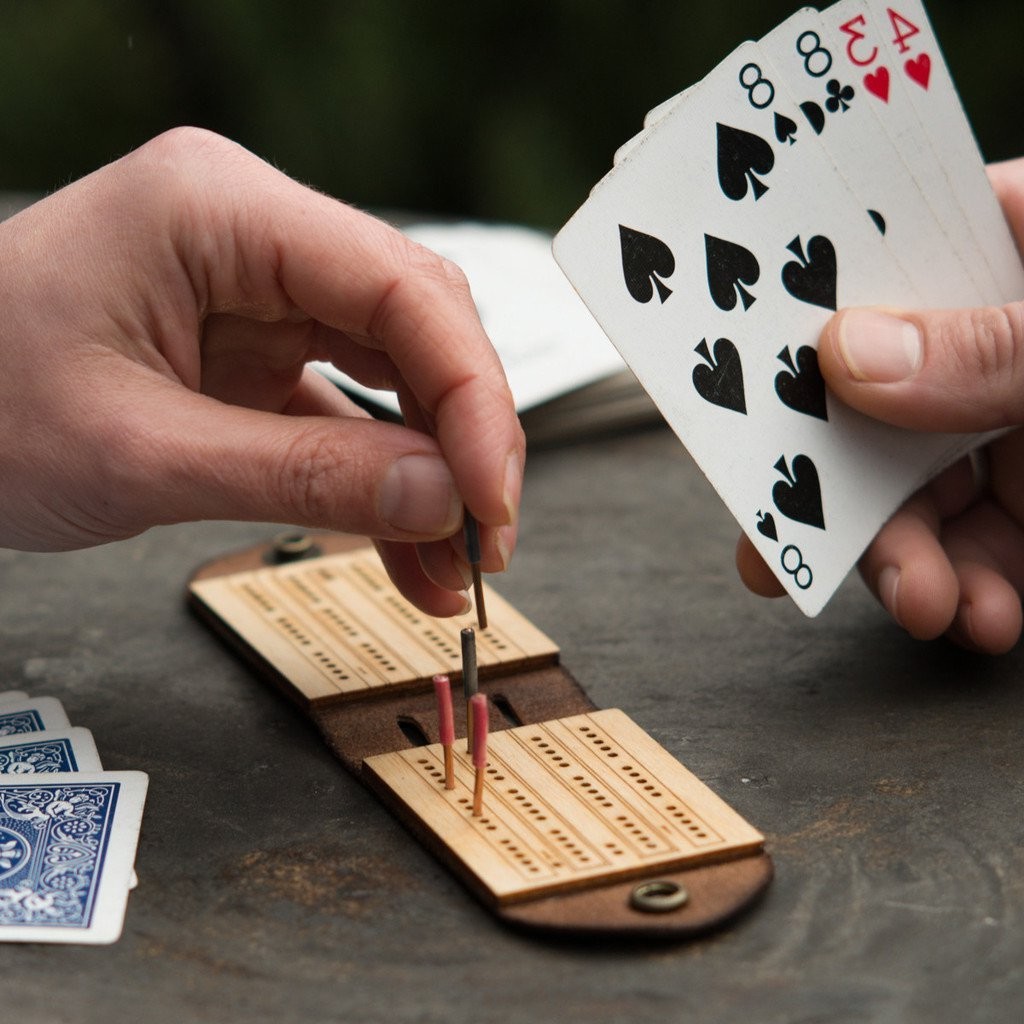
22 714
750 208
68 829
54 750
67 844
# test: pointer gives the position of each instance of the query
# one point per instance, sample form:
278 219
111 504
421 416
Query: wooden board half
567 804
336 627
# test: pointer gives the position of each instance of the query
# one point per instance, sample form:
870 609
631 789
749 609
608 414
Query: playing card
67 844
70 750
836 107
54 750
651 118
712 256
11 695
892 52
32 715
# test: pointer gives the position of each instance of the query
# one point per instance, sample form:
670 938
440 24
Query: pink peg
478 707
446 726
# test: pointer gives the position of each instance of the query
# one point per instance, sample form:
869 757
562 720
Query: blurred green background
503 111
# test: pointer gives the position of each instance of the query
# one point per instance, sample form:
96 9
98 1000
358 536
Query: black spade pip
645 260
730 267
799 496
811 277
721 380
741 157
802 386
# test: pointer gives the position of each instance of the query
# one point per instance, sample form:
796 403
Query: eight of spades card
712 256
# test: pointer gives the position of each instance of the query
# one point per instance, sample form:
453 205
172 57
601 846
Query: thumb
945 370
350 474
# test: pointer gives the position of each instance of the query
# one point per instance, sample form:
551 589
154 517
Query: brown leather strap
707 896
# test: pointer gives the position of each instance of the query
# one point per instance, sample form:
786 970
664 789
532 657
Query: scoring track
567 802
337 627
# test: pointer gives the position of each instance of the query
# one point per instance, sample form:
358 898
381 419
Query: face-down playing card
67 844
54 750
23 715
712 257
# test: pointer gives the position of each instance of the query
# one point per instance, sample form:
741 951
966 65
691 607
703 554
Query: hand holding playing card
952 558
827 165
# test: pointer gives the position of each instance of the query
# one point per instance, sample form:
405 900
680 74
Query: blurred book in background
567 379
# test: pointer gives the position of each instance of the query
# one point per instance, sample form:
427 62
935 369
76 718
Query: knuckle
176 148
985 347
993 341
308 477
434 278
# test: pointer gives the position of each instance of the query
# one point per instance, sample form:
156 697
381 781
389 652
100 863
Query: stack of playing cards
828 165
68 829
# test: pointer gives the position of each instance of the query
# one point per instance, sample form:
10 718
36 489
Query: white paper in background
546 338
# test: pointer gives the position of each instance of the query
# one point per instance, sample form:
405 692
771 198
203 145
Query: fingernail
464 570
888 590
504 541
878 347
513 485
418 495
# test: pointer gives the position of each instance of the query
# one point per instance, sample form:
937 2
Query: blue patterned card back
53 750
67 846
29 756
33 715
20 721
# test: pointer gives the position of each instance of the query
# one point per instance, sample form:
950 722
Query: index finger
278 246
252 241
417 308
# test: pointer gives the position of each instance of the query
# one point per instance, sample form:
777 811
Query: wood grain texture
568 803
336 627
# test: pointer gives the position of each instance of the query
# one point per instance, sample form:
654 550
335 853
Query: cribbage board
588 824
337 628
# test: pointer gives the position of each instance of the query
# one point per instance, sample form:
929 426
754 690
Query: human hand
158 316
951 560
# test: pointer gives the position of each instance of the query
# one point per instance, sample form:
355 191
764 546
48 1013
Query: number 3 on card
903 30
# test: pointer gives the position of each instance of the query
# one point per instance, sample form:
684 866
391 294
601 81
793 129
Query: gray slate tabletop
885 773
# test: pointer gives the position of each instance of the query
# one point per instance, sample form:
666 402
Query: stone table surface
274 888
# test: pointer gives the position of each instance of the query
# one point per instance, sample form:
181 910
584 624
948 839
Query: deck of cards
68 829
829 164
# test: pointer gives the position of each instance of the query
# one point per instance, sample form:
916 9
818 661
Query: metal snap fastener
291 547
658 897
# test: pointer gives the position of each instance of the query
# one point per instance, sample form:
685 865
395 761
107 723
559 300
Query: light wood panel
336 627
567 803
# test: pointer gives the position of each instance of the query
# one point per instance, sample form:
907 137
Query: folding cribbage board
588 824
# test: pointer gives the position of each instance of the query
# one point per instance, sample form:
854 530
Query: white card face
835 106
53 750
67 844
712 257
893 53
32 715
